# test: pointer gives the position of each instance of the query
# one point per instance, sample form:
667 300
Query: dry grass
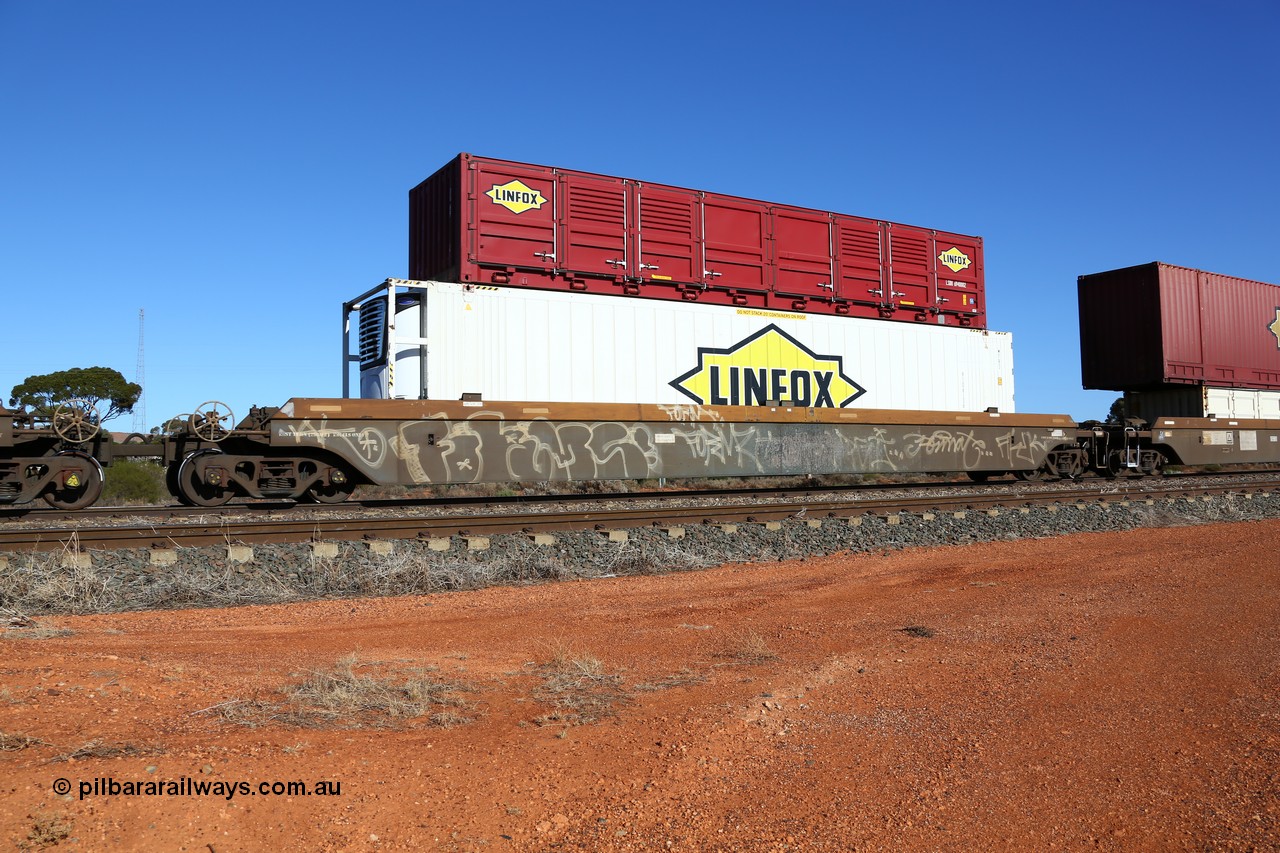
37 580
20 626
746 647
577 687
14 741
38 631
98 749
342 696
49 830
684 678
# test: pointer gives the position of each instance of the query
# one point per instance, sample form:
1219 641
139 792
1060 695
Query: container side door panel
668 235
911 263
1237 317
736 243
958 261
514 216
860 260
594 225
802 249
1180 312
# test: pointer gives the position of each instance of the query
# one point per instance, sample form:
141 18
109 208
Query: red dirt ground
1114 691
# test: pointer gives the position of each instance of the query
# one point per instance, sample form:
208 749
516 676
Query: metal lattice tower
140 376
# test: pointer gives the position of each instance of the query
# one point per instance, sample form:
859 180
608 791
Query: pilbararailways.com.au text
108 786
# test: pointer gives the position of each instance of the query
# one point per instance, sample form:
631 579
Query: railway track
601 512
40 513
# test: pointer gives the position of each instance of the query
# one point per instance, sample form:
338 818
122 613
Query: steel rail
228 531
40 512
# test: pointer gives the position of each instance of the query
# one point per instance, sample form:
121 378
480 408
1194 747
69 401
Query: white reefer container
447 340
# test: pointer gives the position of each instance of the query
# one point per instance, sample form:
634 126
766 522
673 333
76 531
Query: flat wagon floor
1113 690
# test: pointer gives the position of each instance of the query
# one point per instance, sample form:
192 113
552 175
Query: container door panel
514 223
802 249
735 247
959 274
859 254
594 225
911 267
667 235
1240 347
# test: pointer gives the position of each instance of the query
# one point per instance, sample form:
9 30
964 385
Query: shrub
131 482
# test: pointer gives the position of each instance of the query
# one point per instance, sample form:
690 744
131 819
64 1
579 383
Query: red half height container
496 222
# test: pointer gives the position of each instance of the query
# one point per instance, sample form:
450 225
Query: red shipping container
515 224
1157 325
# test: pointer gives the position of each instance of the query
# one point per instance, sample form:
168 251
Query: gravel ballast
122 580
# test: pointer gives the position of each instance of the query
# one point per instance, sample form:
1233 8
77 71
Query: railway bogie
211 477
210 462
52 458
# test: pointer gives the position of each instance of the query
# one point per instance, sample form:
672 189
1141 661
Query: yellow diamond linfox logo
955 259
516 196
1274 327
766 367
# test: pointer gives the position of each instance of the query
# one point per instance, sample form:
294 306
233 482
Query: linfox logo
516 196
955 259
769 365
1274 327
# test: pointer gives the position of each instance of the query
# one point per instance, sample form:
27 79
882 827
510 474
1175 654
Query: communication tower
140 376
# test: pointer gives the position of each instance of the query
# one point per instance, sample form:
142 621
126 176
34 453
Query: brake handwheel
212 421
76 421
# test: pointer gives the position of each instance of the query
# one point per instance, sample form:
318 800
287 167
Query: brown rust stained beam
412 410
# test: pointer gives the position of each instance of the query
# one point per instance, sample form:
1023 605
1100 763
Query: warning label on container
516 196
766 367
761 312
1274 328
955 259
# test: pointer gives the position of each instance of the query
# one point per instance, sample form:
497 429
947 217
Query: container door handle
546 256
648 266
616 262
710 274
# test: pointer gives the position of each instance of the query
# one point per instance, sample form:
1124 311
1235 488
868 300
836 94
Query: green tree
177 423
45 392
1118 412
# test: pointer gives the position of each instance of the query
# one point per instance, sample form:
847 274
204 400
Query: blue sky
239 169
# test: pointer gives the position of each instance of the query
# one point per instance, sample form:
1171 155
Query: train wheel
1073 470
332 493
979 476
1115 466
171 482
192 489
1030 476
79 488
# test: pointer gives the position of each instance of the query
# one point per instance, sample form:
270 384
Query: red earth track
1110 690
